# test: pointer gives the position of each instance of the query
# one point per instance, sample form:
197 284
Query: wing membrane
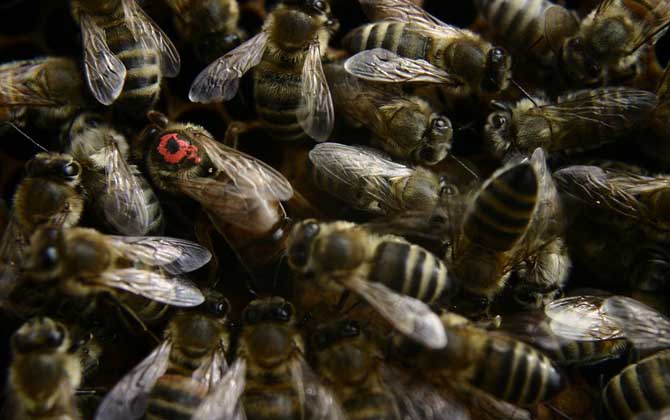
153 285
17 85
315 114
174 255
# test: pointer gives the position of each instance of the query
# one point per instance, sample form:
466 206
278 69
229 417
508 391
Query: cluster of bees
327 217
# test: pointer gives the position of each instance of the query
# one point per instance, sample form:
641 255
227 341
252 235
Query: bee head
40 334
55 166
300 244
268 330
215 304
330 334
437 141
580 62
47 249
498 71
497 130
296 23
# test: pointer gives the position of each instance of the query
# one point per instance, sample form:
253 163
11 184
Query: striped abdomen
370 406
270 397
514 372
277 92
646 12
503 209
588 352
392 36
643 386
411 270
143 75
517 24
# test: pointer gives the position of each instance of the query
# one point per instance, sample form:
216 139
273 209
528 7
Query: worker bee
51 195
608 40
394 276
577 120
175 378
514 222
125 53
406 126
489 361
116 189
278 382
412 46
369 181
290 89
43 91
210 26
44 374
241 194
81 262
353 366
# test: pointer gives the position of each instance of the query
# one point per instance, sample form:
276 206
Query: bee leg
236 129
133 315
203 234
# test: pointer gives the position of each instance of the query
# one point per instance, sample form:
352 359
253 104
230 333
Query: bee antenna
525 93
23 133
466 167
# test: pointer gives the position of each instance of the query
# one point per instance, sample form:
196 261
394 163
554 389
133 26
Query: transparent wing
105 73
318 402
223 402
410 316
145 31
645 327
153 285
18 85
559 24
128 399
405 11
125 204
315 114
174 255
380 65
220 80
582 318
213 369
418 400
360 170
534 328
590 185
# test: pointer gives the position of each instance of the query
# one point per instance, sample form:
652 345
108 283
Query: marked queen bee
410 45
125 53
291 93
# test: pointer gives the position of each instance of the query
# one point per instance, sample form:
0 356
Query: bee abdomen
515 372
153 205
368 406
175 397
643 386
392 36
519 22
411 270
277 97
503 209
272 404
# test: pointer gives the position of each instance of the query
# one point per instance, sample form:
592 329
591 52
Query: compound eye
498 121
71 169
55 337
497 55
319 6
351 329
441 124
93 122
310 230
49 258
221 308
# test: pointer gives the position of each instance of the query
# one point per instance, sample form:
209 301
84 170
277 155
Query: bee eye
498 121
55 337
220 308
440 124
310 230
319 6
153 132
71 169
93 122
497 55
282 313
350 329
49 258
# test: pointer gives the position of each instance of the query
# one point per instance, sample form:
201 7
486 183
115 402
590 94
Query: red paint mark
174 150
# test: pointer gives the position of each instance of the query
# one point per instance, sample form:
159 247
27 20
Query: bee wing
315 114
645 327
381 65
212 370
223 402
418 400
174 255
105 73
404 11
17 85
145 31
125 204
352 166
559 24
533 327
590 185
153 285
220 80
318 402
408 315
129 397
488 407
582 318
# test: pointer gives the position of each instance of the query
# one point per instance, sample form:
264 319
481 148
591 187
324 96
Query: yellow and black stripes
370 406
503 209
519 24
175 396
392 36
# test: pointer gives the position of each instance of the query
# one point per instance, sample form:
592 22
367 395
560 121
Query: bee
241 194
581 120
210 26
51 194
44 91
486 361
394 276
609 39
657 125
291 93
116 189
514 222
405 126
352 365
176 377
410 45
125 53
369 181
81 262
44 374
277 380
